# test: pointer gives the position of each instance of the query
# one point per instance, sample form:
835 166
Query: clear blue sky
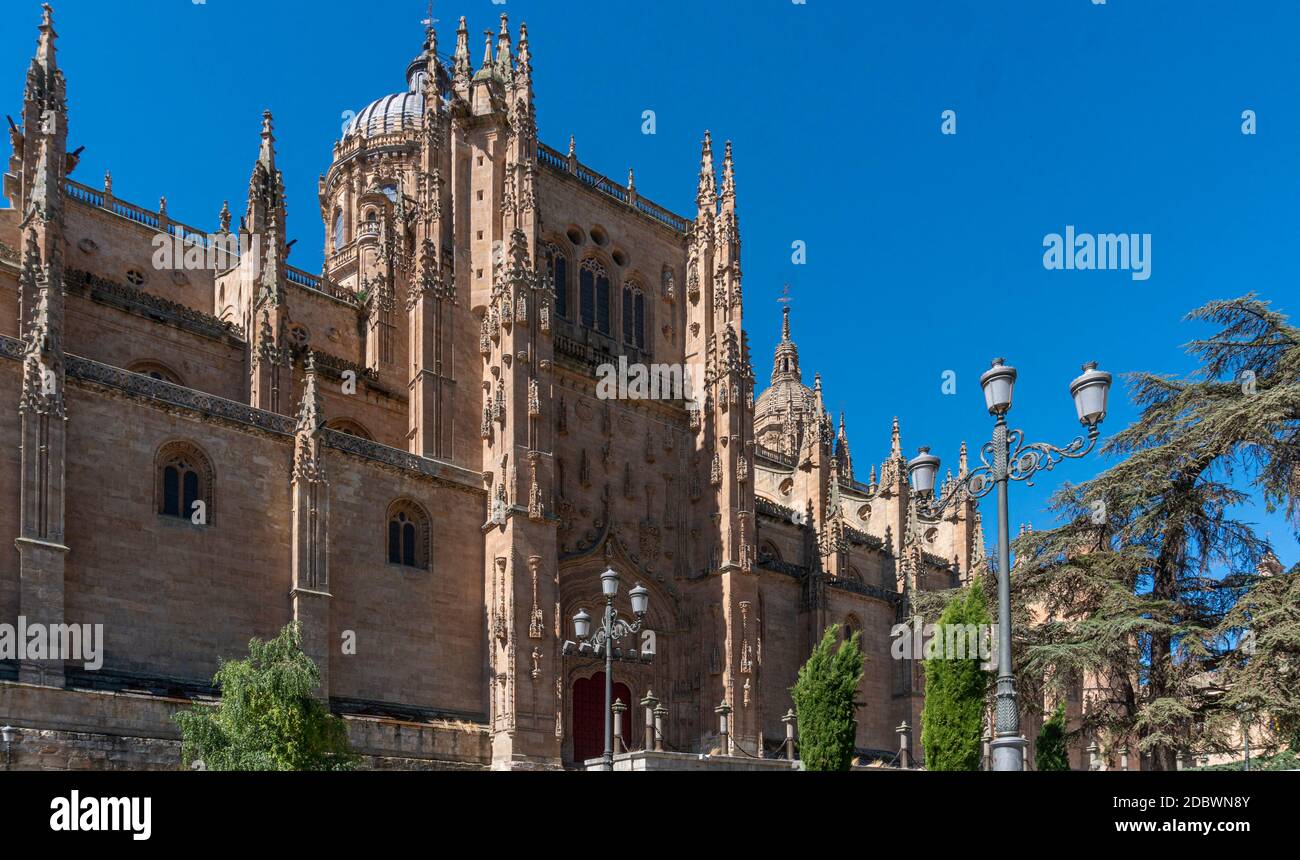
924 250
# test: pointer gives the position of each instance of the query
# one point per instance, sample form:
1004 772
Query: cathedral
407 453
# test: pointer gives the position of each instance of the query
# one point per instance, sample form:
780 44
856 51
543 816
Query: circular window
299 336
620 258
598 236
135 277
575 236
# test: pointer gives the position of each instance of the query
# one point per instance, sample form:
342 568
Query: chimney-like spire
963 464
487 68
505 64
728 176
309 463
45 49
708 192
461 65
896 442
525 66
266 153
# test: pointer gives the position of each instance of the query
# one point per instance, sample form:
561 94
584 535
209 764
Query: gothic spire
525 67
708 191
266 152
505 61
45 49
728 176
308 460
896 442
462 70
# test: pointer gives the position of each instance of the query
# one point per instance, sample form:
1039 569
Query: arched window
633 316
350 427
408 535
594 296
559 268
338 229
184 483
154 370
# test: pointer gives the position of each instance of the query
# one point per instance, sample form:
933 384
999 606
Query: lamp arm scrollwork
1027 459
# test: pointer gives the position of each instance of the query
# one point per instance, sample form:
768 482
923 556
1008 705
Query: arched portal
588 728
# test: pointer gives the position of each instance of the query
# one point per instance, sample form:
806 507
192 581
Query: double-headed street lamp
1012 459
601 643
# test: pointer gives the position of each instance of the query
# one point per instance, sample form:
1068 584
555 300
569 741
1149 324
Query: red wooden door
588 728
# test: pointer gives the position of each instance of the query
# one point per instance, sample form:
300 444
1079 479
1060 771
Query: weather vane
785 296
430 21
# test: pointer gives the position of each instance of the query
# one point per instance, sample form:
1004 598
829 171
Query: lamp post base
1009 753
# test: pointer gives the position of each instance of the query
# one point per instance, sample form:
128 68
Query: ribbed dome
774 403
398 112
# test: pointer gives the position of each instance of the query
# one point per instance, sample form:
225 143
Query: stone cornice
165 394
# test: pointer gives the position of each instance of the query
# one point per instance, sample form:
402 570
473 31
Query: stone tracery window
184 483
593 291
408 535
339 238
559 271
633 316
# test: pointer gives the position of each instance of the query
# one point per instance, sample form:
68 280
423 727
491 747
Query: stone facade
410 451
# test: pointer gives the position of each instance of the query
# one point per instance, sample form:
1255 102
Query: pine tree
268 717
1130 590
956 690
824 702
1051 749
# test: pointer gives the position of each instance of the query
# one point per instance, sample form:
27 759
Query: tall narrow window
183 483
408 535
559 279
594 296
633 316
338 229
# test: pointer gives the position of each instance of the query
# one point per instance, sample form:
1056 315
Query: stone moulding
131 300
165 393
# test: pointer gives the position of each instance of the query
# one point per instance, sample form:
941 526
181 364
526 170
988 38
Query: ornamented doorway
588 730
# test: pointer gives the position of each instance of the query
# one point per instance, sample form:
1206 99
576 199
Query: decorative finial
573 146
785 323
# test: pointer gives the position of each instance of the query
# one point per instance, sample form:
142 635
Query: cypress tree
1051 749
956 690
824 702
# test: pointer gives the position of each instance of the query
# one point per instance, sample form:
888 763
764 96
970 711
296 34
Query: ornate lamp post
601 643
1245 709
1009 458
8 735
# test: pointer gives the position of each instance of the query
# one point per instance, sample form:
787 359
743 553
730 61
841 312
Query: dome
774 403
398 112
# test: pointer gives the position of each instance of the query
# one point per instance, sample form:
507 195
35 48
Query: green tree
1052 753
1136 589
824 703
956 690
268 717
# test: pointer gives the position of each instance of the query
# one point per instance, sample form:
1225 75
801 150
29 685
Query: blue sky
924 250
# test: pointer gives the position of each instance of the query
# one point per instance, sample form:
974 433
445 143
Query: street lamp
601 643
1009 458
1245 710
8 735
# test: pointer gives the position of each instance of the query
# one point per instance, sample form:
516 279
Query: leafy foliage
956 693
1139 603
268 717
824 703
1052 753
